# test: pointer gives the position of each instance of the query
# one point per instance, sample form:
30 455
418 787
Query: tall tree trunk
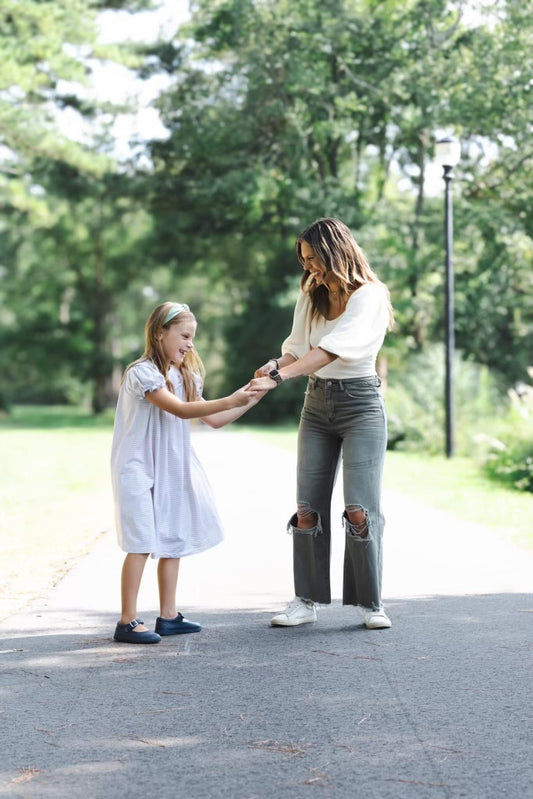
101 376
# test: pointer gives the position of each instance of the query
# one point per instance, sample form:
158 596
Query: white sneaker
298 611
376 619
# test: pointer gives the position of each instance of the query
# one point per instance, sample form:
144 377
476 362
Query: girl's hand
242 396
255 396
262 384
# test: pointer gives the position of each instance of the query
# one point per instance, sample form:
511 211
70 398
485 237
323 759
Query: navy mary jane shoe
125 633
176 626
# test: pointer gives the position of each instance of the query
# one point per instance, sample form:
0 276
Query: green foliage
506 453
290 110
512 464
70 227
416 406
40 46
278 112
83 258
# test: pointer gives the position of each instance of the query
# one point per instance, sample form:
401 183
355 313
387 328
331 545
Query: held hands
265 369
262 382
242 396
246 395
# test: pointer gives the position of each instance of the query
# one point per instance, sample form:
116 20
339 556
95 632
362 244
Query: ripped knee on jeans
356 521
305 520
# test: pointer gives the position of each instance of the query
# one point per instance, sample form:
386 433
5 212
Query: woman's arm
315 359
167 401
307 365
283 360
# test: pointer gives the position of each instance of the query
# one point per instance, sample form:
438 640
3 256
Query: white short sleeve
143 378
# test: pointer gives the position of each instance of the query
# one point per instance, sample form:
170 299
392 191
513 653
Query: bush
507 455
512 464
416 405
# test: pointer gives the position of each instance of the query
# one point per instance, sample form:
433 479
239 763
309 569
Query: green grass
55 497
53 417
456 485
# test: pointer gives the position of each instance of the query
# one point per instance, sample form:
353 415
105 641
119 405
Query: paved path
438 706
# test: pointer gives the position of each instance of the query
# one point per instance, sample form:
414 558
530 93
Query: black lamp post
447 153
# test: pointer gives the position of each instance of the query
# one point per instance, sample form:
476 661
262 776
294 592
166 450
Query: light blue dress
164 504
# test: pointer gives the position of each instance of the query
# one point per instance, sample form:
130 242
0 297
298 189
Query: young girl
164 505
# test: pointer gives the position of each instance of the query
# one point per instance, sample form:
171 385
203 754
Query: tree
281 112
41 44
71 222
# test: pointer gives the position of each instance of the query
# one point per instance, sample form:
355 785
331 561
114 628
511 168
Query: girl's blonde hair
335 246
191 366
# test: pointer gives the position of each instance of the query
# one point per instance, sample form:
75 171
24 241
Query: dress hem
156 555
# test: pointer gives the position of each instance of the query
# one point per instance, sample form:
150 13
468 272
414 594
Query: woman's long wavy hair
191 366
335 246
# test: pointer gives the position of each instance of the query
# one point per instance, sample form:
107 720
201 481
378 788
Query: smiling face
312 263
178 339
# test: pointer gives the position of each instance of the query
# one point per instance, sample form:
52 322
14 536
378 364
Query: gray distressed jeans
341 418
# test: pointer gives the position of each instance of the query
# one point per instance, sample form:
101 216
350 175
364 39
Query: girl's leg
167 579
132 572
170 622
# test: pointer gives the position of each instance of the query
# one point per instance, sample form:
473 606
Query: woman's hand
265 369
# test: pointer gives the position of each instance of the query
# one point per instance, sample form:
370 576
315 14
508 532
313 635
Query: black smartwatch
275 375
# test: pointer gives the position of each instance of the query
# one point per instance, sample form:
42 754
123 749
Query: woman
340 320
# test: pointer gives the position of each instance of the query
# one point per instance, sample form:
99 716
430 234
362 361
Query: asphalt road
440 705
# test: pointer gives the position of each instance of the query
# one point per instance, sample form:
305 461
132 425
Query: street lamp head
447 151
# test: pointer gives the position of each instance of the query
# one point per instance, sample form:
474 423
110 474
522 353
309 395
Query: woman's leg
318 458
364 445
167 580
132 572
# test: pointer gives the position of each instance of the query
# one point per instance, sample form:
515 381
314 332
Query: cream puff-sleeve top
356 336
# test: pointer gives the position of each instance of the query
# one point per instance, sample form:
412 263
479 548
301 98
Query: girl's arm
222 418
165 400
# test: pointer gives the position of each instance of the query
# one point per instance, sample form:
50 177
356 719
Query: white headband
176 309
